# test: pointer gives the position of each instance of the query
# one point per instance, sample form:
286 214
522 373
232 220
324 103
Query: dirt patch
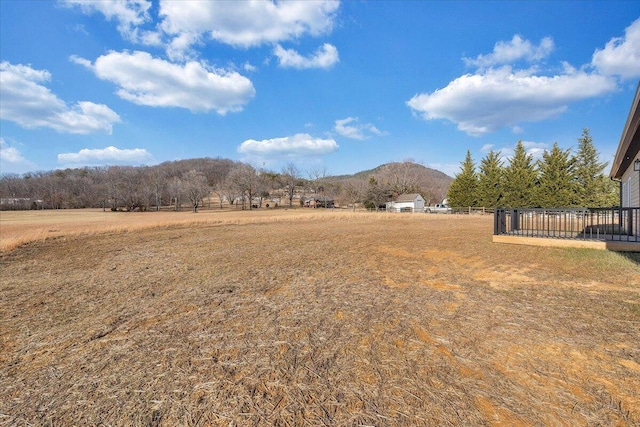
317 319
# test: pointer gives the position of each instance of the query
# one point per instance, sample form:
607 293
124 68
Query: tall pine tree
462 192
520 180
592 185
490 180
556 182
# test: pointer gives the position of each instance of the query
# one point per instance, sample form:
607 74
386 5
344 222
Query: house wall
631 187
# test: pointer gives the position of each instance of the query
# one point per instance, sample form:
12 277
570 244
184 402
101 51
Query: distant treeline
557 180
189 182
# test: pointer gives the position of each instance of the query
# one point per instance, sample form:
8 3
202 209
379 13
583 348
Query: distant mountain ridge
433 184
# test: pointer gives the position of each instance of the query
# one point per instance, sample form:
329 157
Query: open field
295 318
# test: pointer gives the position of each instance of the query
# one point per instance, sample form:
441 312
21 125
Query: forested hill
189 181
405 177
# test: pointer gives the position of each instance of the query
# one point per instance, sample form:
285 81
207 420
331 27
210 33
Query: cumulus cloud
108 155
30 104
351 128
12 160
299 145
488 101
129 14
621 55
154 82
8 153
506 152
497 95
249 68
534 149
324 57
247 23
516 49
181 25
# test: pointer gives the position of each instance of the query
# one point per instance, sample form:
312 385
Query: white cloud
514 50
149 81
486 148
9 154
27 102
130 15
621 56
488 101
245 23
351 128
249 68
12 160
181 25
324 57
108 155
299 145
533 149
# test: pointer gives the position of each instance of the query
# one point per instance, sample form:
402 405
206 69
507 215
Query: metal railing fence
606 224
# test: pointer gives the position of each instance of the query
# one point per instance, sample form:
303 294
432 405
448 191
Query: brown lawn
295 318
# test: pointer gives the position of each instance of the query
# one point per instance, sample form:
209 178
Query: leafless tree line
174 185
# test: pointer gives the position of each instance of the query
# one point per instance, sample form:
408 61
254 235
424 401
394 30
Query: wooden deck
610 245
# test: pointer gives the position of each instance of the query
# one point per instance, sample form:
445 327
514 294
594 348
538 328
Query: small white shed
407 203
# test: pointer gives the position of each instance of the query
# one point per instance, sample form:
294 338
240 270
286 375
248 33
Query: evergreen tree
611 195
556 187
490 180
520 180
592 185
463 189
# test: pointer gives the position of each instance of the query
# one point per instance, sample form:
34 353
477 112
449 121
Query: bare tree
131 186
317 182
219 190
354 190
244 179
175 189
290 177
401 177
156 181
195 188
230 191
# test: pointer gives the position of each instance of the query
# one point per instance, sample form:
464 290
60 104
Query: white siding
631 188
417 205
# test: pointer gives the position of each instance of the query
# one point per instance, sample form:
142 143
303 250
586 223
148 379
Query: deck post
499 221
515 220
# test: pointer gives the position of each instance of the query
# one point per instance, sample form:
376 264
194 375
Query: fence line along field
294 318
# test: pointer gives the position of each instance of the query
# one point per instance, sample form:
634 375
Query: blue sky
337 86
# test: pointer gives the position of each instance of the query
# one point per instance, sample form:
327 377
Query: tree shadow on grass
631 256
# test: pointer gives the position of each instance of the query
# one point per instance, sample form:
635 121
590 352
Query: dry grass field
309 318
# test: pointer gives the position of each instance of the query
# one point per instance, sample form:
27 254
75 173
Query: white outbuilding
407 203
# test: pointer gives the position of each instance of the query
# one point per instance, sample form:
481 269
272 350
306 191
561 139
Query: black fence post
515 220
499 221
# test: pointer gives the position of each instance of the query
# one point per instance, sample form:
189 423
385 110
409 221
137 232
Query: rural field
309 318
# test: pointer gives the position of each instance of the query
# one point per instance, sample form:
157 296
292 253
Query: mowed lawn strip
317 319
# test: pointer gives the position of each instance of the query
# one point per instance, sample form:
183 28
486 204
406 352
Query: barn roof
407 197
